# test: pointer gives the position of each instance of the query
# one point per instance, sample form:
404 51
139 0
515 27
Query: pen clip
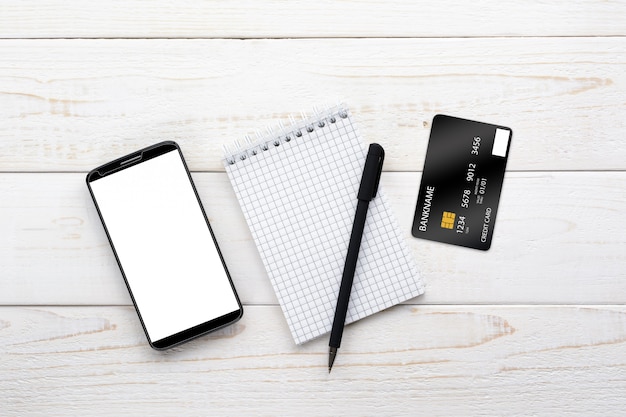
371 172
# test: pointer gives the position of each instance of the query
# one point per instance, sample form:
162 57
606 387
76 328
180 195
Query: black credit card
461 183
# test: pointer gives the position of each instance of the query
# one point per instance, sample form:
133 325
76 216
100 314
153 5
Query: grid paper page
298 195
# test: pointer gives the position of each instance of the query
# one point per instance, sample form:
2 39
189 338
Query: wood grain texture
550 339
406 361
556 241
293 19
69 105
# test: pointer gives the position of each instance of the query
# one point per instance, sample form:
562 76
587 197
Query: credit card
461 183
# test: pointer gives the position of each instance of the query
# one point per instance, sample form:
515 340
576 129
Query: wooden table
536 326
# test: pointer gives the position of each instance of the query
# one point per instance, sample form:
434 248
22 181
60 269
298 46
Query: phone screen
164 245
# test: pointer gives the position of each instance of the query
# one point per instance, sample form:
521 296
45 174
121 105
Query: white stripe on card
501 142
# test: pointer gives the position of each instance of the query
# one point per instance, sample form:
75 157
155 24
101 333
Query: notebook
297 189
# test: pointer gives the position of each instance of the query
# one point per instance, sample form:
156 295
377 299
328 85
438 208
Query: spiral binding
275 138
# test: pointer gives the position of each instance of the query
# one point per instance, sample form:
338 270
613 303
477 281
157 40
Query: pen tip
332 353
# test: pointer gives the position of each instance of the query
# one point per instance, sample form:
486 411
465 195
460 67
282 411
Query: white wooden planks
448 360
69 105
552 71
555 241
294 19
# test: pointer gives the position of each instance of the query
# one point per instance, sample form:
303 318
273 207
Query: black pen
367 191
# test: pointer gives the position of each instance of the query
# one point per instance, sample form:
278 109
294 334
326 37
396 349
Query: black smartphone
164 245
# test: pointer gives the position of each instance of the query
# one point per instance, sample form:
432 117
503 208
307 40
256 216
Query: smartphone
164 245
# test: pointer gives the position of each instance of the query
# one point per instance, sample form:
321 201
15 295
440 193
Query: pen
367 191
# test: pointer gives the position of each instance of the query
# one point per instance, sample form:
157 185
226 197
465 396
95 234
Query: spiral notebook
297 190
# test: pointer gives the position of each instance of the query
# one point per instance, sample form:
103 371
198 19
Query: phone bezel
126 162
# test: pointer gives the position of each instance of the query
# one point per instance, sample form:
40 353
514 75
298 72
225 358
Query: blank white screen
164 245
